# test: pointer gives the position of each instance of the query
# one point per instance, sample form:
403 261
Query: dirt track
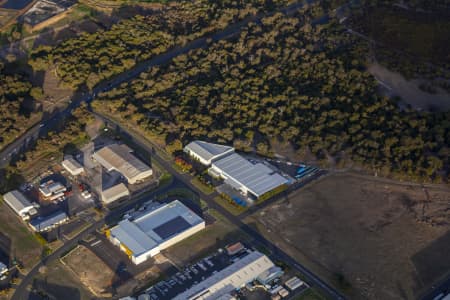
369 231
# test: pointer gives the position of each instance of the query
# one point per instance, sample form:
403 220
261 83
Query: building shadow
432 263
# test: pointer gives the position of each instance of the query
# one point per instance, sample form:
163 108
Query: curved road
259 240
23 142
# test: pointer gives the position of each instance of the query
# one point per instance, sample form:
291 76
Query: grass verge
201 186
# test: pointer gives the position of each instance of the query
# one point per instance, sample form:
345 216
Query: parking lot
189 276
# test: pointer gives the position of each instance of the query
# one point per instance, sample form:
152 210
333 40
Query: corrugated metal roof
42 223
207 151
257 178
72 165
230 278
17 201
133 237
118 157
139 235
115 192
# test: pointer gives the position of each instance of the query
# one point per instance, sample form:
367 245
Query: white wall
183 235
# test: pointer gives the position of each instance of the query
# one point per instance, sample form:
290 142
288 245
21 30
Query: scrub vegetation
306 85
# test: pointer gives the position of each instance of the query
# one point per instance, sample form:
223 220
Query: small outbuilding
72 166
115 193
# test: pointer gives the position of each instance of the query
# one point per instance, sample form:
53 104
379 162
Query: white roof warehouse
20 204
118 158
248 177
72 166
229 279
252 179
155 230
205 152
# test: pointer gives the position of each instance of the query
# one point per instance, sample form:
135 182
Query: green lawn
24 244
201 186
233 209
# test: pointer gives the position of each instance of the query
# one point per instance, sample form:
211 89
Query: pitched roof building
206 153
72 166
114 193
19 204
233 277
119 158
253 179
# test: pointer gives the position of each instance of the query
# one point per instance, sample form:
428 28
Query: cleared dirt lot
57 282
366 232
86 265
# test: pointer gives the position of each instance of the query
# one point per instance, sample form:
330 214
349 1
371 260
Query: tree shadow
432 262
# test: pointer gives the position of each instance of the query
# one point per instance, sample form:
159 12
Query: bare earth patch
56 95
388 240
409 91
86 265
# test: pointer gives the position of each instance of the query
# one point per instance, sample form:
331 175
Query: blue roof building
49 222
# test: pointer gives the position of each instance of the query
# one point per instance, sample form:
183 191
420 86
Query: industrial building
20 204
294 283
154 230
3 269
49 222
119 158
235 276
269 275
52 190
72 166
206 153
252 179
114 193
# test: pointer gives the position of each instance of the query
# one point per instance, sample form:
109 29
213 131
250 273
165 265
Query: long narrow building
19 204
229 279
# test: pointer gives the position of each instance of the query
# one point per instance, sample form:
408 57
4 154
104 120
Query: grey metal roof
72 164
139 235
42 223
115 192
230 278
207 151
17 201
133 237
118 157
257 178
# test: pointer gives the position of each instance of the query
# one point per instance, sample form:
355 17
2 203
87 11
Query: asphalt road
23 142
21 292
259 240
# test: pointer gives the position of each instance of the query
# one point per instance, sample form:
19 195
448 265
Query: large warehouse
155 230
20 204
206 153
233 277
119 158
252 179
